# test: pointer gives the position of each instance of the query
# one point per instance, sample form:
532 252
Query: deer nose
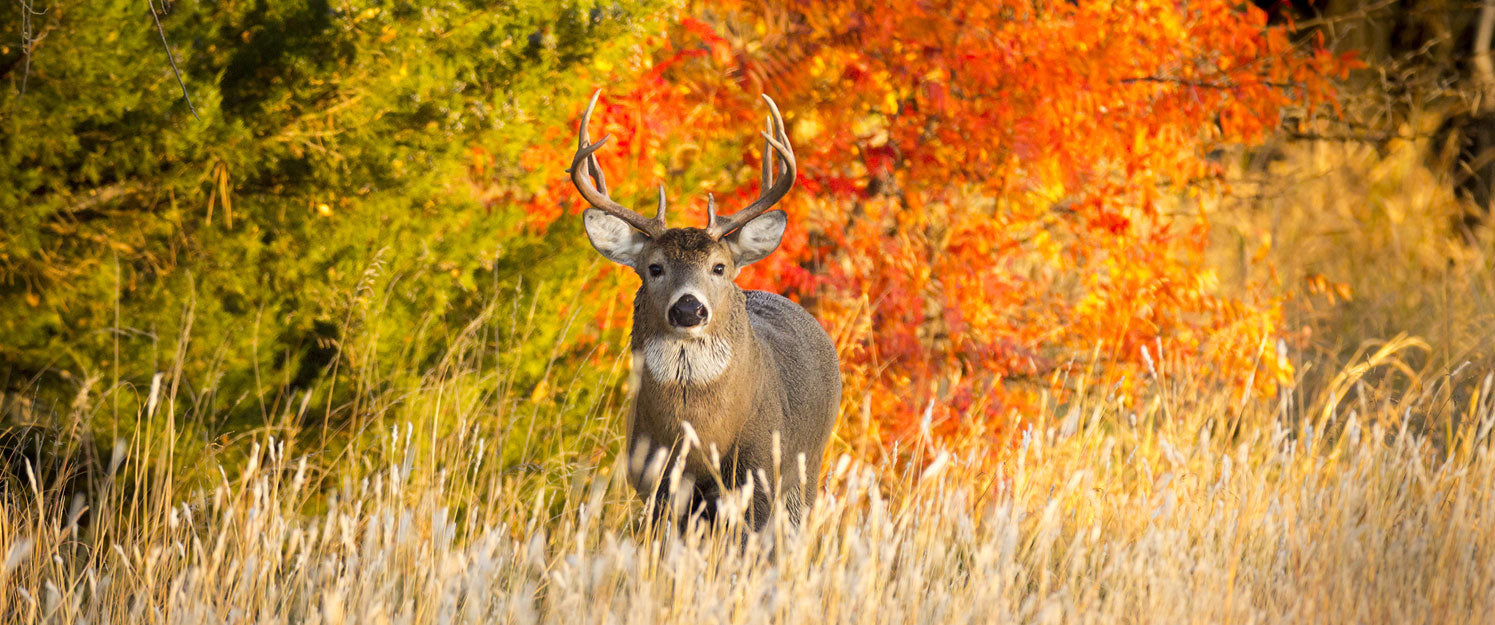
687 312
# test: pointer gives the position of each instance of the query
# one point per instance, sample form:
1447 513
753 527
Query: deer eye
655 270
719 269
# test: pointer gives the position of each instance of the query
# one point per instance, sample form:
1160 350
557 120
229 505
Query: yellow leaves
540 391
1208 280
1046 246
1047 179
221 193
1170 24
1263 249
465 280
681 158
1283 371
817 66
1140 140
1319 285
387 34
366 14
873 129
806 127
324 210
1090 305
890 103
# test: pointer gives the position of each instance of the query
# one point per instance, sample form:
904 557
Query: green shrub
326 175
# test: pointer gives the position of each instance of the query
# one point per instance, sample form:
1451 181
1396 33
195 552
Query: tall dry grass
1191 507
1364 495
1365 234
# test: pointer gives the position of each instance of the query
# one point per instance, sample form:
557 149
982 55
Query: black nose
687 312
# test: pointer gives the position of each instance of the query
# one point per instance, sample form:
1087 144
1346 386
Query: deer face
687 273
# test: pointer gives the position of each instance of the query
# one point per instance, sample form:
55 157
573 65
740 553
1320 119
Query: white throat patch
687 360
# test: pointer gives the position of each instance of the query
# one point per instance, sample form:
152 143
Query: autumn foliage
979 219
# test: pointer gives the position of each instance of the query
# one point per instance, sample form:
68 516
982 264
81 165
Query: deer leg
703 502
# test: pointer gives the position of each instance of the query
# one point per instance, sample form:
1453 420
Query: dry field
1189 508
1365 495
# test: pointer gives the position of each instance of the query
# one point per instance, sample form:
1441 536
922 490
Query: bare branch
1202 84
172 58
102 195
29 39
1484 69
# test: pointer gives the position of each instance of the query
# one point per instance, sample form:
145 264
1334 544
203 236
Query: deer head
687 273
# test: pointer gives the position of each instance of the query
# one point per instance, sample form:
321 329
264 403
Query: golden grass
1365 495
1373 221
1192 508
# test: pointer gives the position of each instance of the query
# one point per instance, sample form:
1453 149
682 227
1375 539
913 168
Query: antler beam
774 186
586 174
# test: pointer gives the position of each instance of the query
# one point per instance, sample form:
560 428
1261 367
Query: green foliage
326 198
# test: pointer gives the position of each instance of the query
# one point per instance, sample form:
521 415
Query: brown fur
782 376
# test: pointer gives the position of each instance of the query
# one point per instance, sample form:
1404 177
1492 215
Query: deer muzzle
688 312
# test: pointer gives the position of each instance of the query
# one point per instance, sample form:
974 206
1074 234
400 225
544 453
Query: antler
773 187
584 165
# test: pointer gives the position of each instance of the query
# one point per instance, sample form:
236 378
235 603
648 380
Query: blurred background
315 221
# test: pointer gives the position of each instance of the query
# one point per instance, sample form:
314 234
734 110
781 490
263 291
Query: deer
735 391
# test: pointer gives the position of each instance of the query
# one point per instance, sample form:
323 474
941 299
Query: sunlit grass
1191 508
472 491
1366 238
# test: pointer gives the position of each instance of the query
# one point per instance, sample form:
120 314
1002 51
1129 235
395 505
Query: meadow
1361 495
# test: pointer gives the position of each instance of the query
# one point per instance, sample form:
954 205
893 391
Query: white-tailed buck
735 389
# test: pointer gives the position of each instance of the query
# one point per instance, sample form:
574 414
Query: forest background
294 217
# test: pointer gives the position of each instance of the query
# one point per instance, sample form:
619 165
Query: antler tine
586 174
774 187
767 180
583 139
659 216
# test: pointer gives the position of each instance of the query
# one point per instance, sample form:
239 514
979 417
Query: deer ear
758 238
613 237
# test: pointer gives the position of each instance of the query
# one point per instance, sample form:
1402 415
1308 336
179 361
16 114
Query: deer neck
707 382
700 362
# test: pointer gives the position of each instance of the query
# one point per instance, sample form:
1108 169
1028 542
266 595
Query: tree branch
102 195
172 58
1483 68
1201 84
1364 12
28 39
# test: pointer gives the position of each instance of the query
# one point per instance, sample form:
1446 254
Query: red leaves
978 205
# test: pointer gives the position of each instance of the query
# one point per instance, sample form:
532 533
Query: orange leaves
977 210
